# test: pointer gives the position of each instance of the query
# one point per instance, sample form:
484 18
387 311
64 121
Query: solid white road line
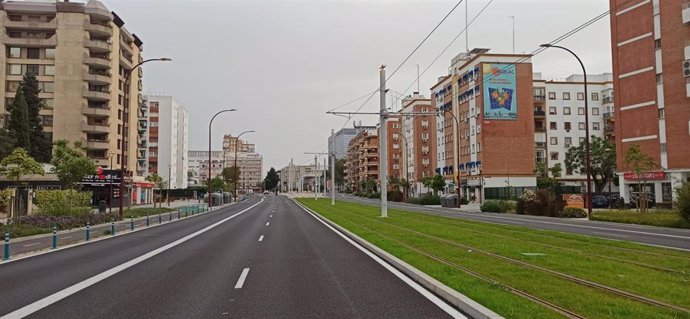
27 245
243 277
430 296
66 237
62 294
261 238
268 223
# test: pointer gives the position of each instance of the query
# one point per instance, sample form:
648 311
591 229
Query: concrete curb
450 295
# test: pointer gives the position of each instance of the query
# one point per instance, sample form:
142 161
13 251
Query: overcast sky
283 64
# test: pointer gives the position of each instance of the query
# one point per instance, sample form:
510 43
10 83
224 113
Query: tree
18 124
272 180
602 161
406 185
158 183
18 164
71 164
370 185
7 142
394 182
217 184
230 177
437 183
40 145
641 164
340 172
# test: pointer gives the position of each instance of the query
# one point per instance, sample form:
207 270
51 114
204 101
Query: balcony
95 127
97 144
686 13
95 111
126 63
609 128
97 78
97 46
540 129
97 29
541 145
539 113
100 60
96 95
126 47
30 25
35 42
539 98
608 116
143 126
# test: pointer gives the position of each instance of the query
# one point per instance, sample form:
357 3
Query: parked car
600 201
266 192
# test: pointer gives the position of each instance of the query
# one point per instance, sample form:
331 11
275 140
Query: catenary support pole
383 145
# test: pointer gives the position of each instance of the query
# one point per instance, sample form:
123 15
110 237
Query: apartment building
395 145
233 143
362 162
419 131
559 118
491 97
651 77
249 162
168 134
445 148
197 161
298 178
80 54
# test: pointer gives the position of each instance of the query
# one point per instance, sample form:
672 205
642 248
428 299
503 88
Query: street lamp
457 142
169 184
407 173
209 153
237 144
588 168
125 132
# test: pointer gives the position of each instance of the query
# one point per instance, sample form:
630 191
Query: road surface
649 235
262 258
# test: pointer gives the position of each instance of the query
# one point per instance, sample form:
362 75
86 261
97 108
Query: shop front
658 185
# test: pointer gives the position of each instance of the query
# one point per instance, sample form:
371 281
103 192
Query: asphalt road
649 235
257 259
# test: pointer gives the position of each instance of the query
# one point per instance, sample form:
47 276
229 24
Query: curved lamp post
237 144
588 168
209 153
125 132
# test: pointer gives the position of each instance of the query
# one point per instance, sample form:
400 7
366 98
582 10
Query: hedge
63 202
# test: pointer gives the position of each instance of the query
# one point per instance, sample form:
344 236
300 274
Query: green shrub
490 206
413 200
63 202
5 199
506 206
573 212
374 195
464 201
430 199
395 196
683 203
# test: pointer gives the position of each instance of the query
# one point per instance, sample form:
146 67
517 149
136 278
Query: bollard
160 218
112 226
148 221
170 217
186 213
6 255
88 231
178 214
54 245
131 223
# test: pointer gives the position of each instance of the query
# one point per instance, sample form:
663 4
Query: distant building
651 77
249 163
362 162
198 166
340 140
299 178
419 131
168 140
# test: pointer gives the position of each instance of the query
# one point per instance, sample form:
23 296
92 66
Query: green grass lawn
20 230
663 218
140 212
652 272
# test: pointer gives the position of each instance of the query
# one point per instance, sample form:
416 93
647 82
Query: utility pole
325 183
316 180
383 145
332 153
513 17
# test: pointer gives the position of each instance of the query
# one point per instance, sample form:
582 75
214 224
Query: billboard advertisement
500 94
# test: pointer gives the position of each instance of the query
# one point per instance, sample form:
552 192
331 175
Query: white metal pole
332 154
316 180
383 146
325 165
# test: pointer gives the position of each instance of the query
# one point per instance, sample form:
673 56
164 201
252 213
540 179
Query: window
552 110
595 96
568 141
657 44
396 146
663 147
581 126
49 103
33 53
567 126
32 69
15 69
595 126
554 156
595 111
552 95
580 96
553 125
582 140
12 86
554 140
659 78
49 70
566 95
48 87
661 114
50 53
15 52
566 110
580 111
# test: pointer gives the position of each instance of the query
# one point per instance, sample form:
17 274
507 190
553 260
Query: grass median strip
662 218
600 261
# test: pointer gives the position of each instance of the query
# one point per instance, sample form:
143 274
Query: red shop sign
660 175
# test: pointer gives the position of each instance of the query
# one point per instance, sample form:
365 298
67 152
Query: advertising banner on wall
500 94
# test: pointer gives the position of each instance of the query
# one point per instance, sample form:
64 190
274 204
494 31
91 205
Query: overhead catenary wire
407 58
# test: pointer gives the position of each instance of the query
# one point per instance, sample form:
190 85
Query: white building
168 140
564 117
198 166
